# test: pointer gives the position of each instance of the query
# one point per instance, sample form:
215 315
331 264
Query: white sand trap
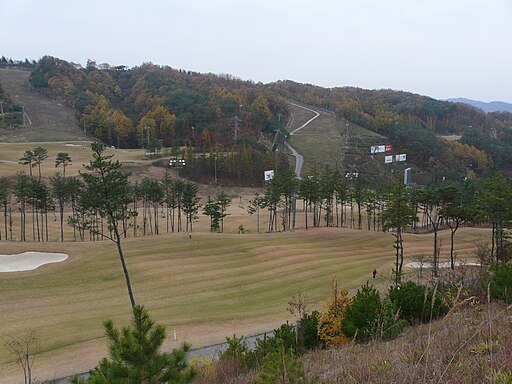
28 261
416 264
73 145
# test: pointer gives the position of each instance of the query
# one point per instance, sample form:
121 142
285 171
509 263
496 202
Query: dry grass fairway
206 288
79 151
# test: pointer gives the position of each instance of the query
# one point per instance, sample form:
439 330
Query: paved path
299 159
307 122
211 350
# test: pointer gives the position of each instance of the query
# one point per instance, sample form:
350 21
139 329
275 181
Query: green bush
308 332
283 366
237 347
501 281
362 313
238 351
135 356
417 303
285 336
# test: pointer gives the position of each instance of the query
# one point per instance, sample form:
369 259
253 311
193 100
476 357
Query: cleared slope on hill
50 120
331 140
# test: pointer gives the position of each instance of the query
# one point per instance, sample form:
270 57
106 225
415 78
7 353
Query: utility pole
147 138
236 120
215 167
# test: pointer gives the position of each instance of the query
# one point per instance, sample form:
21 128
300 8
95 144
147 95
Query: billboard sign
380 148
177 163
388 159
269 175
377 149
401 157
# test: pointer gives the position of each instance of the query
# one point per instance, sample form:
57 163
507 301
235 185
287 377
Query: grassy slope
452 350
51 121
206 288
331 140
457 349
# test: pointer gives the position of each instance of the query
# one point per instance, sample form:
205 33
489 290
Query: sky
438 48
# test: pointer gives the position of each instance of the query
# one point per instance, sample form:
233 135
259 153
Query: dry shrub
223 371
457 349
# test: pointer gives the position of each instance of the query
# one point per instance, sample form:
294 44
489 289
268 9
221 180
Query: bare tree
24 349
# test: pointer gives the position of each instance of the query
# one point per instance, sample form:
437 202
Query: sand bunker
28 261
416 264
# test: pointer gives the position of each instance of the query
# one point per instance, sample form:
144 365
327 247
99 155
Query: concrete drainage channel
213 350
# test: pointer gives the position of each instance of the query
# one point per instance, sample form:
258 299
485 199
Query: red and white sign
380 148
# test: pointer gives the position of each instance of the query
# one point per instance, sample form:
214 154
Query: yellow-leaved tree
329 325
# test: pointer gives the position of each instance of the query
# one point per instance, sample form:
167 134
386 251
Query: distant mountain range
493 106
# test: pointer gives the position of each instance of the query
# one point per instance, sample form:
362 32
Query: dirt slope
50 120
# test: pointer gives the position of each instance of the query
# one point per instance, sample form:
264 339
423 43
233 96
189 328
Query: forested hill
416 124
178 107
116 104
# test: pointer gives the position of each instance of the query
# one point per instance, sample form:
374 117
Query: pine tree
107 191
135 357
283 367
398 213
63 159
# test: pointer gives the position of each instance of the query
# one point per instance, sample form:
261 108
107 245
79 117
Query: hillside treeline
152 106
155 105
327 198
414 123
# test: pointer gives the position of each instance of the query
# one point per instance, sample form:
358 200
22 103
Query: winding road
299 159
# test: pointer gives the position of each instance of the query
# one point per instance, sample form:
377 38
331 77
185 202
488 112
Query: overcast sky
439 48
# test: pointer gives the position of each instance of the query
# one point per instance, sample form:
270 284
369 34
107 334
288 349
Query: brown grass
470 345
51 120
458 350
206 288
79 151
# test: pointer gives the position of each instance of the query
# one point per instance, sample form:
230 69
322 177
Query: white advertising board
269 175
388 159
377 149
380 148
401 157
